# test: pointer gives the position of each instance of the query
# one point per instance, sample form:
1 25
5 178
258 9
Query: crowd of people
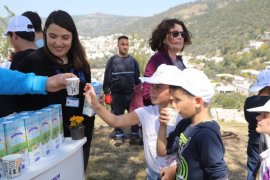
192 149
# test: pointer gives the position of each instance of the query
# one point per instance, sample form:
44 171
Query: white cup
173 116
73 86
12 165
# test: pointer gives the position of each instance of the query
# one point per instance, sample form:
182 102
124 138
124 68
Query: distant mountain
218 26
103 24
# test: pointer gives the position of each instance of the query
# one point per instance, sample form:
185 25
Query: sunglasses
175 34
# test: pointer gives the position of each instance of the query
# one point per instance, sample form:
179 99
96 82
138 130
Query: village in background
231 44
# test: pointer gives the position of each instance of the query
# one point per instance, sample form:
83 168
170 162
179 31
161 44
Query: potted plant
76 127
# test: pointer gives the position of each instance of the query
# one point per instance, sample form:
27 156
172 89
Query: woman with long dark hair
62 53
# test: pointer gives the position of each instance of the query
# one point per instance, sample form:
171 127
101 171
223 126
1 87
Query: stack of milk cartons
3 150
15 137
57 112
33 134
53 114
45 123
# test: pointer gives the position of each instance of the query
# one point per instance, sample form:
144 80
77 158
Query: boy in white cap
263 126
262 90
198 141
148 117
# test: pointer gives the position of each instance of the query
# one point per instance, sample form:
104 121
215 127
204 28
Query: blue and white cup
12 165
173 116
73 86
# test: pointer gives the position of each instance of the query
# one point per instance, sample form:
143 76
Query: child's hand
101 99
164 117
168 173
90 95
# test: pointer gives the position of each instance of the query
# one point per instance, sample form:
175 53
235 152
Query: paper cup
173 116
12 165
73 86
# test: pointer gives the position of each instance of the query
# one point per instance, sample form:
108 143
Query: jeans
253 158
152 175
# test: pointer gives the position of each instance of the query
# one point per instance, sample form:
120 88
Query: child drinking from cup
198 144
148 117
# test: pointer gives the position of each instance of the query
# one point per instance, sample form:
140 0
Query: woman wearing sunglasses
168 38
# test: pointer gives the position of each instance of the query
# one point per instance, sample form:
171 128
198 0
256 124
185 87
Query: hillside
102 24
218 26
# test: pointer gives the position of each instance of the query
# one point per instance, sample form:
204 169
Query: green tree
229 100
5 46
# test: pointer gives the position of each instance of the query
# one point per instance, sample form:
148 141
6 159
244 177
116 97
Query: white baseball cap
197 83
263 80
165 74
19 24
264 108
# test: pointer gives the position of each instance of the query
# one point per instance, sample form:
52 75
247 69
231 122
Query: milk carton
45 121
55 141
33 134
87 110
54 129
3 151
58 109
15 138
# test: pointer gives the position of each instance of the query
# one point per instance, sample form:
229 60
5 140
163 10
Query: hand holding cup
73 86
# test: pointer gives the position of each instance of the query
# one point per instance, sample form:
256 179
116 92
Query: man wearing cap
21 34
262 89
263 126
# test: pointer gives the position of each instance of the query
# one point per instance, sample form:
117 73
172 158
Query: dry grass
127 162
235 155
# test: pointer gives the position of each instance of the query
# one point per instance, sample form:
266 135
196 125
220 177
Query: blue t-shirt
200 150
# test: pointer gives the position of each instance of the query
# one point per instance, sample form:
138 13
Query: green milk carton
58 111
3 150
54 141
15 138
45 131
33 135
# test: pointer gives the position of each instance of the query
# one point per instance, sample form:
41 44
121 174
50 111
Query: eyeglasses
175 34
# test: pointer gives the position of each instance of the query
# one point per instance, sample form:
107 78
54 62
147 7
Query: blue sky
79 7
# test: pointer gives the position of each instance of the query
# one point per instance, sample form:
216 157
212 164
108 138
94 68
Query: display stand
64 163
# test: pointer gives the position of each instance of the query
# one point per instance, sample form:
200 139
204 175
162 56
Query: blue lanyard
80 74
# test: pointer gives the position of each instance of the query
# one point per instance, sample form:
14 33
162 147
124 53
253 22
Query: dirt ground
126 162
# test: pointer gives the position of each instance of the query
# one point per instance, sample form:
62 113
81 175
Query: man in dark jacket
121 76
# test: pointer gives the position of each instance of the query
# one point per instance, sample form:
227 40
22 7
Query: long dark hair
156 42
76 52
